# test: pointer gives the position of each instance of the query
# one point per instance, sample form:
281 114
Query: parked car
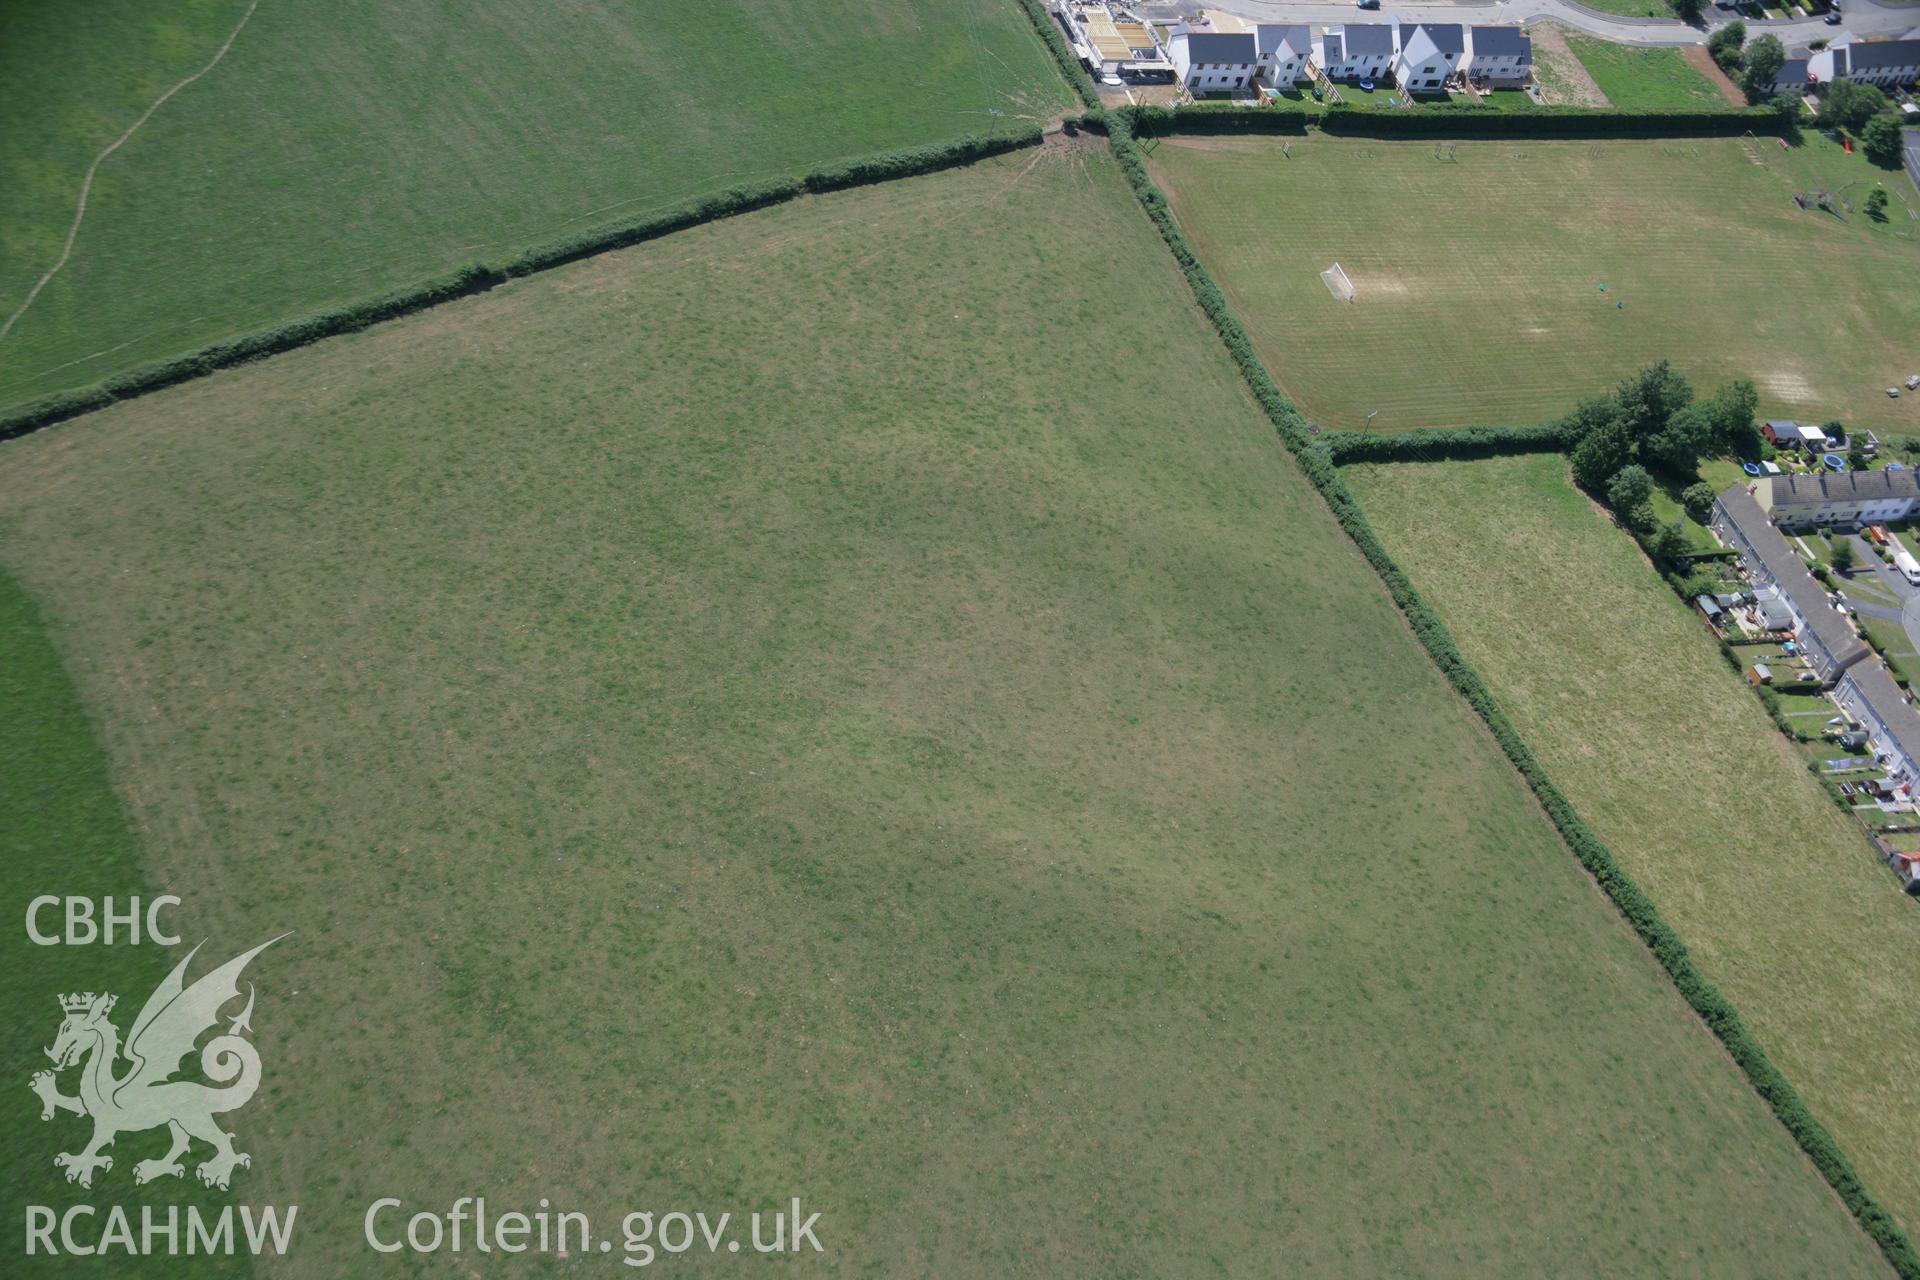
1833 18
1367 4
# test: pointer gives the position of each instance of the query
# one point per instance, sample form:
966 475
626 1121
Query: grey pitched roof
1500 41
1792 71
1843 486
1883 695
1447 37
1790 571
1269 35
1367 37
1839 62
1334 53
1866 55
1235 47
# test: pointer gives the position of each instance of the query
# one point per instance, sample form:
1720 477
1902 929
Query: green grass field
1637 79
64 831
343 149
1477 282
792 710
1618 688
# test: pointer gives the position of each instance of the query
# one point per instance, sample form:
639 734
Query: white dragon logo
146 1096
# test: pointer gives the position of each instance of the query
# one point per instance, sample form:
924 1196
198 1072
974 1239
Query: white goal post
1337 283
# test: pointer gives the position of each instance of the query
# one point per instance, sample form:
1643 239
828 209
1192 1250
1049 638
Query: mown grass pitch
1621 692
343 149
1479 281
803 708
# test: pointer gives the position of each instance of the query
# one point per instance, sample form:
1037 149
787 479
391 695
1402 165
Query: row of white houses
1417 56
1887 64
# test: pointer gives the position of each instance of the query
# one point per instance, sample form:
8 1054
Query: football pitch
1613 681
340 150
1503 282
791 710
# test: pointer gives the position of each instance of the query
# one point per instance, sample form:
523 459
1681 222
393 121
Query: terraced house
1782 584
1870 696
1838 498
1888 64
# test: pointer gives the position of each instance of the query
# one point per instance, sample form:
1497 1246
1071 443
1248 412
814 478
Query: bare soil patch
1703 63
1568 81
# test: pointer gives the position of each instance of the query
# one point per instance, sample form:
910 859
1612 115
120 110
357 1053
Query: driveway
1863 18
1886 581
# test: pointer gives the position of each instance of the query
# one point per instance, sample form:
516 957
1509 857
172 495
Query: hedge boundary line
1638 910
1458 120
478 277
1070 69
1447 443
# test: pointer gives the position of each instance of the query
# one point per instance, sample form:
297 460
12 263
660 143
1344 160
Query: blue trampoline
1835 462
1751 468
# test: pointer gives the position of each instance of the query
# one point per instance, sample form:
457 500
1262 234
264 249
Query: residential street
1869 588
1863 17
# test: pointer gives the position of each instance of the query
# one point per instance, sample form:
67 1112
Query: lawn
1636 79
1898 647
342 149
1631 8
770 713
1478 282
1621 692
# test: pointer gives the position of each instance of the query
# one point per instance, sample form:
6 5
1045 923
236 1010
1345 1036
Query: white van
1908 566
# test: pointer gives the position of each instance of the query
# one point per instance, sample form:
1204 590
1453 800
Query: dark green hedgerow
1447 443
1470 120
1209 118
479 277
1707 1001
1455 120
1056 42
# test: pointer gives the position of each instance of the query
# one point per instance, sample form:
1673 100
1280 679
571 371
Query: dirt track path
86 183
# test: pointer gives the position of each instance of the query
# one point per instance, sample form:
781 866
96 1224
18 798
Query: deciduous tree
1671 542
1650 397
1630 494
1726 43
1762 63
1605 450
1697 498
1846 104
1880 138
